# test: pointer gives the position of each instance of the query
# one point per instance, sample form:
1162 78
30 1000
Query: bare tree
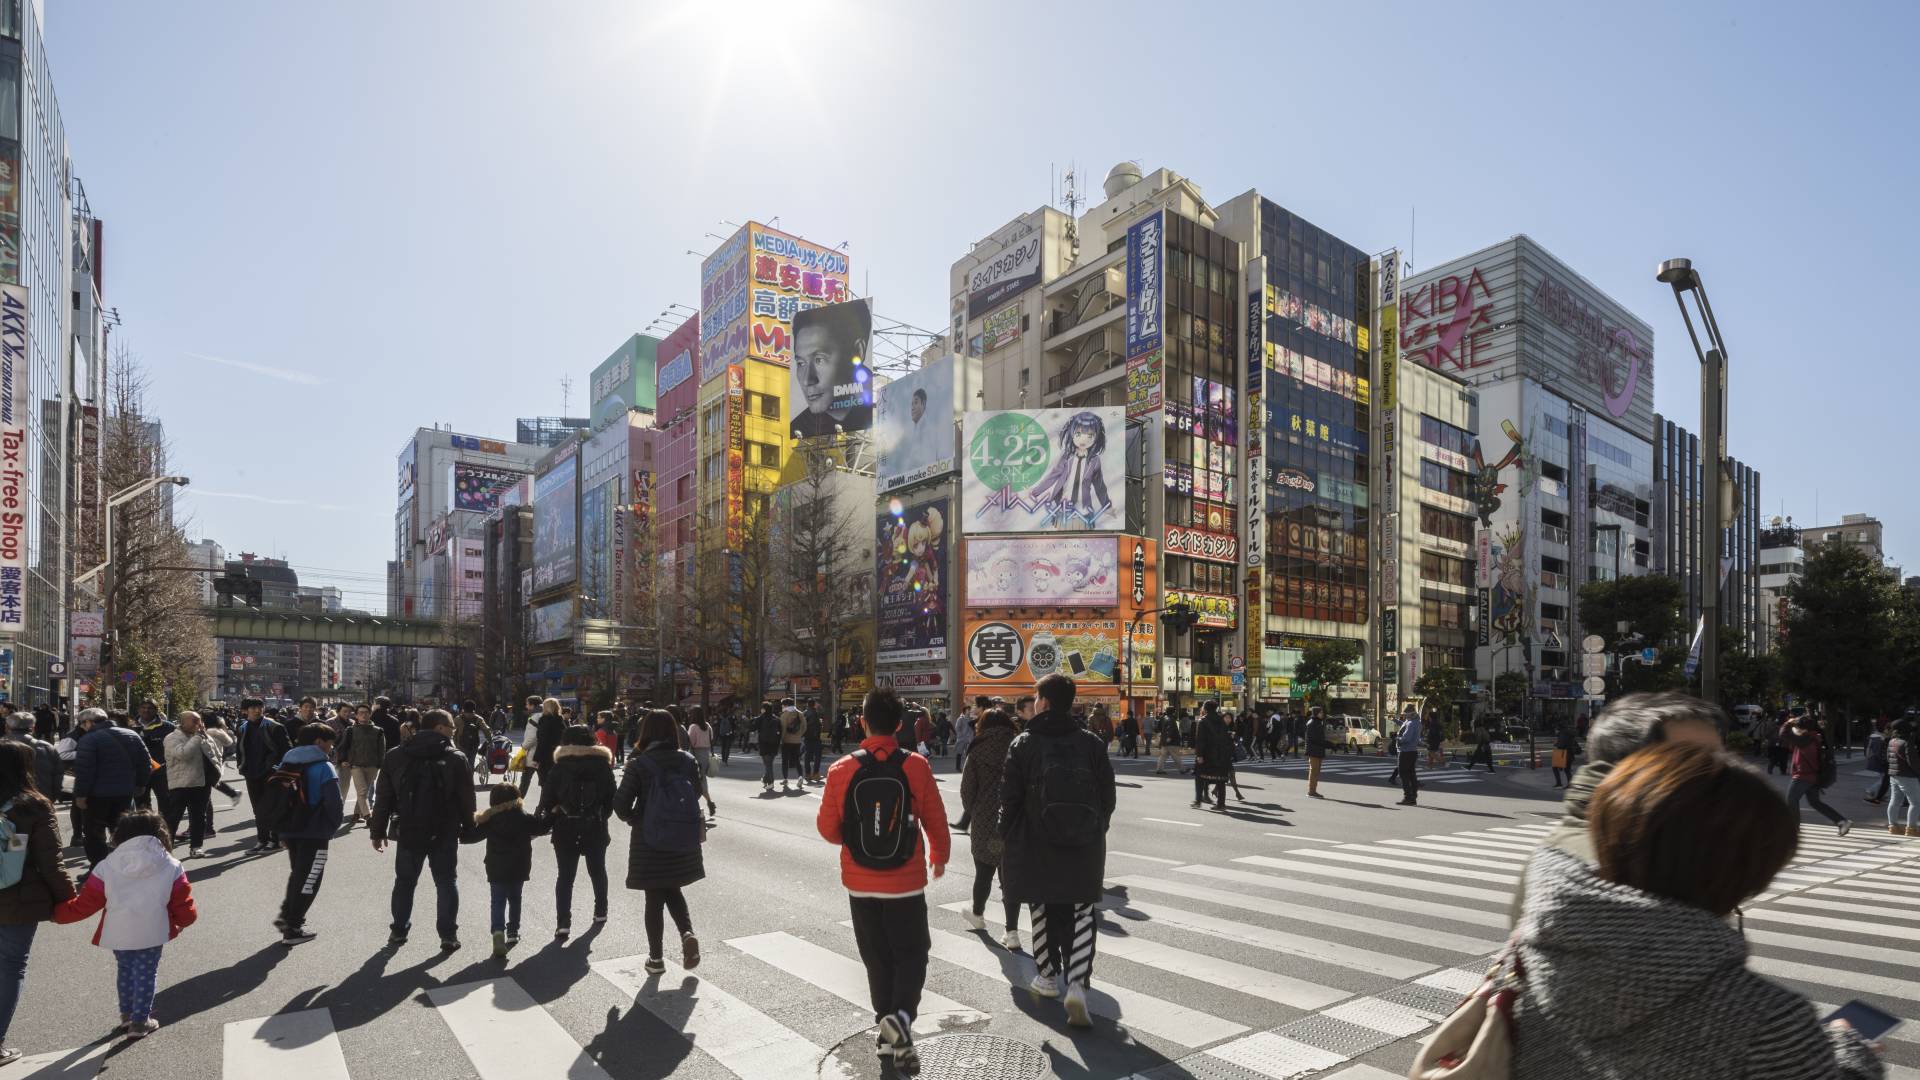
821 556
159 632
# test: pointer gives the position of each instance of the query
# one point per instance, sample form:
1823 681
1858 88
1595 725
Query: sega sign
676 371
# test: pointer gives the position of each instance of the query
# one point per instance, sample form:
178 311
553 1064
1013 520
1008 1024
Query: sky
327 225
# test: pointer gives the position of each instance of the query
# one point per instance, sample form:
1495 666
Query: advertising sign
736 480
480 487
831 389
1200 544
912 616
10 214
915 425
1144 383
553 621
1144 300
723 307
1214 610
596 551
1008 571
406 470
15 400
1044 470
675 371
1001 328
624 381
555 525
789 275
469 442
1015 270
1019 652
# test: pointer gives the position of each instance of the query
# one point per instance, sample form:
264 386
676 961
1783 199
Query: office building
1863 531
669 498
268 669
1679 487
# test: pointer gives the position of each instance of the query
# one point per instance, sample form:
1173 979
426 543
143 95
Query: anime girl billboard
1044 470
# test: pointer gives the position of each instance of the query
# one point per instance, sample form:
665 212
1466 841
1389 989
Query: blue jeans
506 905
407 863
1807 789
15 942
1907 787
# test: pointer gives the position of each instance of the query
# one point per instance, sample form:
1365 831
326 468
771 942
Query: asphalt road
1285 937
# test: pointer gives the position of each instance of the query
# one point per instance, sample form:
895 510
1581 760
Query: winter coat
1213 749
766 732
155 736
1805 763
910 877
47 765
188 759
1316 736
111 762
1032 869
453 813
1903 757
1407 741
1619 983
509 831
963 734
648 868
980 793
43 882
793 727
549 732
1570 835
142 893
581 775
1877 752
364 746
322 785
263 743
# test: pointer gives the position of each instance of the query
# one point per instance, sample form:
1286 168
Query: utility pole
1717 500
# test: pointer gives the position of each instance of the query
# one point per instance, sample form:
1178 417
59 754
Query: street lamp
1716 503
124 495
1178 617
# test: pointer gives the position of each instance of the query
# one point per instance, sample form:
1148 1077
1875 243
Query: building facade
1679 550
1863 531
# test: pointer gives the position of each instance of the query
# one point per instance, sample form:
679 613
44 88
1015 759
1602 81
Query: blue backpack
670 818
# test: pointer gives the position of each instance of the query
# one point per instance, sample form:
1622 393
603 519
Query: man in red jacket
878 802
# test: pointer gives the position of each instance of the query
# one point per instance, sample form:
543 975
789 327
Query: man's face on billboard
919 407
821 362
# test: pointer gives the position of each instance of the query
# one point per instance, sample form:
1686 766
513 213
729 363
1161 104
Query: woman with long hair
980 806
660 798
26 903
700 741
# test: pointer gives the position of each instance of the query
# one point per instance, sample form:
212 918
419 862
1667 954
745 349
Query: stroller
499 757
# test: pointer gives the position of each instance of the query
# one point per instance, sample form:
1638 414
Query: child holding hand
144 901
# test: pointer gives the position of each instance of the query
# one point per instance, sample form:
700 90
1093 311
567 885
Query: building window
1446 436
1437 477
769 406
1446 525
1445 569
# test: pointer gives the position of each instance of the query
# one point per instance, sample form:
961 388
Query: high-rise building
1561 483
670 495
1782 559
1863 531
1679 550
268 669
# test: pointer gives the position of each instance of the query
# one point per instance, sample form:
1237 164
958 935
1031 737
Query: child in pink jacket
145 901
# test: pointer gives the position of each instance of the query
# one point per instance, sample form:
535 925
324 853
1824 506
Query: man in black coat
261 742
425 785
1212 757
1056 799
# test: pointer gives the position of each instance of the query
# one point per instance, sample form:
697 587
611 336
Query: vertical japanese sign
1256 423
723 308
790 275
15 400
1387 381
736 406
1145 304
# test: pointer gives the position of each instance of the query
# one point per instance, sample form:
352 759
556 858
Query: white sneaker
1077 1006
978 922
1010 941
1845 827
1046 986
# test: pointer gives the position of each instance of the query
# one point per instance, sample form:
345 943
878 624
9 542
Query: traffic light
238 584
1179 618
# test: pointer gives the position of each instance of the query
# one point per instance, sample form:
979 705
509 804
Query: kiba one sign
15 398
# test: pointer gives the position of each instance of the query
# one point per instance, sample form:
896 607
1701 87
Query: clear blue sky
329 224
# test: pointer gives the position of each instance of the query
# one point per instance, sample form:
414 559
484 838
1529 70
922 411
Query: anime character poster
1044 470
912 576
1010 571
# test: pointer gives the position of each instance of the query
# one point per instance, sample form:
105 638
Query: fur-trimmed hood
566 752
492 812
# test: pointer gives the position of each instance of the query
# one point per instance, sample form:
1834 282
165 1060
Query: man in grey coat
46 760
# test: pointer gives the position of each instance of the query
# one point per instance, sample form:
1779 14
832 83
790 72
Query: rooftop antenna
1413 233
1072 199
566 392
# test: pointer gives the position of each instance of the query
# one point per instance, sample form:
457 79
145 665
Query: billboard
1002 327
789 275
481 487
15 400
1019 652
1016 571
1144 294
912 549
552 621
623 381
1015 270
555 526
915 425
831 388
596 551
1044 470
723 307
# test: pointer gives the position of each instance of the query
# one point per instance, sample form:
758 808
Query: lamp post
109 569
1717 502
1177 617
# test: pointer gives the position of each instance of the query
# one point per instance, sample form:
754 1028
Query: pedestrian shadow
628 1045
1463 813
372 991
212 989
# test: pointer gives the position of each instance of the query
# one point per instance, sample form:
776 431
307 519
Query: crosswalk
1309 960
1351 767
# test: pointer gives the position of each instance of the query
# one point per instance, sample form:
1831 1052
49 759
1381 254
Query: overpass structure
255 625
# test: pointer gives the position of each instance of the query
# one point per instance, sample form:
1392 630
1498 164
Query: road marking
80 1063
1385 1017
845 978
1305 946
1141 1012
1505 843
1397 864
1170 821
1315 839
1364 1072
1881 911
1399 904
747 1042
1828 975
1398 881
1510 857
1393 931
301 1044
1423 857
1265 1052
507 1035
1824 946
1856 894
1149 858
1885 881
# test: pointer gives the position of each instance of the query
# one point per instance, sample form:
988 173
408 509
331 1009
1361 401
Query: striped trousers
1063 937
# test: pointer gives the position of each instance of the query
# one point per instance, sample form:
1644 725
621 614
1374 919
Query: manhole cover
979 1057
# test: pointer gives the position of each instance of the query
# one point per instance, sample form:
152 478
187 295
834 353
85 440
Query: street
1285 937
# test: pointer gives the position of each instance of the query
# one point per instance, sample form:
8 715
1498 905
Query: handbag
1476 1041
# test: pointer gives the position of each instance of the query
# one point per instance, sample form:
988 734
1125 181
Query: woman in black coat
661 873
576 799
980 803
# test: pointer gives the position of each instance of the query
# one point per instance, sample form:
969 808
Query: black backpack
1829 768
283 799
1061 794
421 818
670 816
877 822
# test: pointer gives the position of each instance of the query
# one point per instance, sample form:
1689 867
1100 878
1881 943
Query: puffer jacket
188 758
509 831
649 867
1033 869
1903 757
980 792
1619 983
111 762
322 785
43 881
452 811
142 893
363 746
579 776
934 844
47 766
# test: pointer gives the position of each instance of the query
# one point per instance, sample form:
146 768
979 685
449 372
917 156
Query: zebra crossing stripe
1394 931
1307 947
1879 911
1404 905
1856 894
1823 946
506 1034
1507 843
301 1044
845 978
1422 857
80 1063
1510 858
1398 881
1857 982
1398 864
747 1042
